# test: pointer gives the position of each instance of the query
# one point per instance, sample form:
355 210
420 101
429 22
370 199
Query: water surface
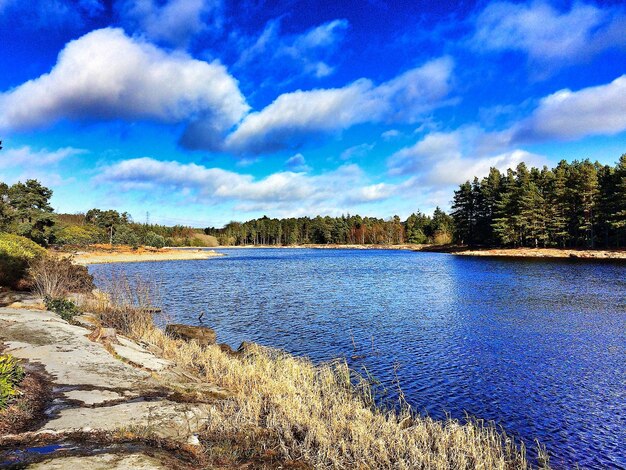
538 346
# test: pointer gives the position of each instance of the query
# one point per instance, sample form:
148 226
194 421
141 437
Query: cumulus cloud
294 117
107 75
286 191
173 22
550 37
27 158
569 115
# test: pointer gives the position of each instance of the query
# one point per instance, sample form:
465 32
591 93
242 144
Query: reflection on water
539 346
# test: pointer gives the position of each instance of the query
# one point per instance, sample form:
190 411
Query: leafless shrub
56 277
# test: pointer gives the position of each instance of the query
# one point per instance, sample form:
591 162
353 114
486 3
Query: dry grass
124 304
319 415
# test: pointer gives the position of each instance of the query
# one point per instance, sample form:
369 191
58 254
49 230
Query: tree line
25 210
577 204
347 229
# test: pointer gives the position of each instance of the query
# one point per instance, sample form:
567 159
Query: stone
102 461
104 335
203 335
246 347
225 348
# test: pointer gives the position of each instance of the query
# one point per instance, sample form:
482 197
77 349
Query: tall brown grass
325 414
124 303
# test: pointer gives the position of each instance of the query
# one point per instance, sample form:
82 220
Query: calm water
538 346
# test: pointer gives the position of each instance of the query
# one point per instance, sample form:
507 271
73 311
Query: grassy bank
322 416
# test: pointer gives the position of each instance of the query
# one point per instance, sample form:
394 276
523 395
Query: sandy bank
99 257
546 253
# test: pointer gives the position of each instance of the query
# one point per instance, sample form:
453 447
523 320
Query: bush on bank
16 253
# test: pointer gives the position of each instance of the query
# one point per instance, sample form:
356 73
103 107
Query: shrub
15 254
154 240
11 374
55 277
442 238
124 235
81 235
64 308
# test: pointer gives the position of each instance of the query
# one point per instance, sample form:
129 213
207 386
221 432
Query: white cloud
27 158
107 75
285 191
294 117
550 38
568 115
175 21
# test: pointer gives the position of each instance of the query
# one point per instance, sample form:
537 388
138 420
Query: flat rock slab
136 354
162 418
93 397
65 351
102 462
99 390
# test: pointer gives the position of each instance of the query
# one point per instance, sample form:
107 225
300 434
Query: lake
536 345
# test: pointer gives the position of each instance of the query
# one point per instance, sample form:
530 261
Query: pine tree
464 215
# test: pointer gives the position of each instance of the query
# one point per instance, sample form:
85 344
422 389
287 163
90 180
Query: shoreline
559 253
556 253
174 394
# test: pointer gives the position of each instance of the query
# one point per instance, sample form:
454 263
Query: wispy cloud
297 163
27 158
282 191
357 151
551 38
295 117
50 14
174 22
282 58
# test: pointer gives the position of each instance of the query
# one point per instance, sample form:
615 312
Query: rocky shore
112 404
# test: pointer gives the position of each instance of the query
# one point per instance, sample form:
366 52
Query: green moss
11 374
15 254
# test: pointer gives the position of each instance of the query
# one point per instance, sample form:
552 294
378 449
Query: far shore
463 251
140 255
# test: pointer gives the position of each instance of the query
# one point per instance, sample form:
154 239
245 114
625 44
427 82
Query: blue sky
205 111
